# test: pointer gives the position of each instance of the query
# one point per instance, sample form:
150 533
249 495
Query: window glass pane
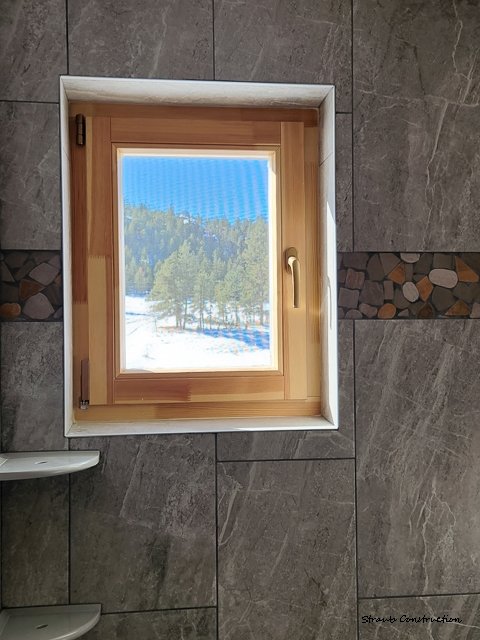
197 238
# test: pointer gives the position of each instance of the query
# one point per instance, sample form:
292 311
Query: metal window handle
292 264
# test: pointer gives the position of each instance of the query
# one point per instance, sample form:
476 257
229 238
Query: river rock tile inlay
408 285
31 286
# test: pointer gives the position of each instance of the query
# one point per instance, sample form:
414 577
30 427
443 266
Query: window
196 262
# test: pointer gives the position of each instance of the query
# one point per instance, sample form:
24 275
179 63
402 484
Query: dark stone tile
198 624
343 144
141 38
416 125
372 293
29 176
16 259
418 445
348 298
33 51
375 268
416 50
8 293
143 523
356 260
464 608
282 41
32 387
35 542
266 445
286 550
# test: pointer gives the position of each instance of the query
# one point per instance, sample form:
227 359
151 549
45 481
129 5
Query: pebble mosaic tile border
31 286
408 285
370 285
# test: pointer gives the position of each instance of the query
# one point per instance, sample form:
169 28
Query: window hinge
84 384
80 124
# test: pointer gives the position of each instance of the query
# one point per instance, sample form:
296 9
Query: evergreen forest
205 273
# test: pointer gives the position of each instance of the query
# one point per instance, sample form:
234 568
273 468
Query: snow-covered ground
161 348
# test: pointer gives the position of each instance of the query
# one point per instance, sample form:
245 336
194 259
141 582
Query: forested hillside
203 272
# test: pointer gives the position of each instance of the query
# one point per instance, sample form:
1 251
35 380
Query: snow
165 348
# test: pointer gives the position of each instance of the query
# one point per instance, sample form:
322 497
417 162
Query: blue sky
211 187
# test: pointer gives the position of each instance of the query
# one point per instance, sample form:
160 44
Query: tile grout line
29 102
69 513
120 612
2 538
217 632
351 133
69 534
355 479
249 461
67 37
213 37
421 595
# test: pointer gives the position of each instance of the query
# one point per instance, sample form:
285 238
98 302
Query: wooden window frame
115 396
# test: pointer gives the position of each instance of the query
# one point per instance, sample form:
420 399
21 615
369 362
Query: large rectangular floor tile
33 49
418 445
343 185
141 38
417 175
198 624
143 523
35 542
283 41
409 618
264 445
32 386
409 49
286 550
416 125
29 176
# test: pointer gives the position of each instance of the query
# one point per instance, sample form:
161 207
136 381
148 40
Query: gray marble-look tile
418 444
198 624
464 610
283 41
141 38
32 49
343 181
417 175
416 124
412 49
29 176
32 386
286 550
267 445
35 542
143 523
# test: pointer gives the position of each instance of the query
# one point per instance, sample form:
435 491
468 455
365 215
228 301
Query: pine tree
255 278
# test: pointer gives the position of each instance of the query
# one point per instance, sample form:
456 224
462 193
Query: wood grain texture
99 187
191 132
186 389
98 330
308 116
293 235
78 175
313 244
199 410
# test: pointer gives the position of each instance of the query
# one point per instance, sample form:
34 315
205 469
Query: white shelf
48 623
41 464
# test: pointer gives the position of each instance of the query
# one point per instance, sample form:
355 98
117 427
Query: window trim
132 423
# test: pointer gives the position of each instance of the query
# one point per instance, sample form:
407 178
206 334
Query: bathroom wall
291 536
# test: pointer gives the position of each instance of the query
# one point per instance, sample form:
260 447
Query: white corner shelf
48 623
41 464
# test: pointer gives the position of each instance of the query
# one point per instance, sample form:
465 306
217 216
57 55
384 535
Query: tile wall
262 536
